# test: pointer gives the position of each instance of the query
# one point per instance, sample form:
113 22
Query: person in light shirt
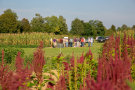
91 40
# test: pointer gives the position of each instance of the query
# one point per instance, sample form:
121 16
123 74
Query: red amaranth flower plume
10 80
23 72
59 55
81 60
39 62
3 72
19 62
89 54
61 84
41 45
66 65
72 61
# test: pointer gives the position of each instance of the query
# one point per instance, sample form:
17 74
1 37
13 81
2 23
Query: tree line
9 23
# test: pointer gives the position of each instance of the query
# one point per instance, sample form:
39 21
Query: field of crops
28 39
114 70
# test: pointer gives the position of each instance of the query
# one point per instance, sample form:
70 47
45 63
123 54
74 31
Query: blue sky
117 12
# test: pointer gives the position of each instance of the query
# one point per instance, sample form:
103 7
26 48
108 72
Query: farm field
52 70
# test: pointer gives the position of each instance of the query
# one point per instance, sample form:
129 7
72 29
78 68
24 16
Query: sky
116 12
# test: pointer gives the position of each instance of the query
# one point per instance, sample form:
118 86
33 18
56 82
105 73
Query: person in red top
82 42
61 43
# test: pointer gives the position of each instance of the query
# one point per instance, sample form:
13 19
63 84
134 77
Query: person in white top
91 41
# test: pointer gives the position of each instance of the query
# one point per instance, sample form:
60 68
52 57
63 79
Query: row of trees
113 29
49 24
91 28
9 23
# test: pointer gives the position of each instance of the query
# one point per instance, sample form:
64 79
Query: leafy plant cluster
10 54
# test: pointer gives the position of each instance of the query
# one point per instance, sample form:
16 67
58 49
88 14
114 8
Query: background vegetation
9 23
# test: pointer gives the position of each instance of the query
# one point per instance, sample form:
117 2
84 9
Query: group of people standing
70 42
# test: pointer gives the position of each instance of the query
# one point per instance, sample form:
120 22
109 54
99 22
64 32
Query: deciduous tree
77 27
53 24
133 27
37 24
124 27
113 28
97 27
25 25
8 22
62 25
88 29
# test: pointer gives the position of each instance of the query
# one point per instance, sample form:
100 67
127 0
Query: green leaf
29 84
131 84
